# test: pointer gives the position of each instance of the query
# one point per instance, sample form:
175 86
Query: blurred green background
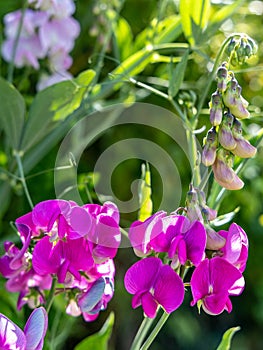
185 329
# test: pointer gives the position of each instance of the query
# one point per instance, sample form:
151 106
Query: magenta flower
59 219
105 236
63 257
142 233
235 249
212 282
182 240
154 284
12 337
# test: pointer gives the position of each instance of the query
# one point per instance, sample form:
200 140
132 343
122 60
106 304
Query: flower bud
214 240
225 135
216 109
222 74
224 174
243 147
234 101
209 150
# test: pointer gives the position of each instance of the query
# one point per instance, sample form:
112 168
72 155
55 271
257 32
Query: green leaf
98 341
227 337
225 218
176 76
124 38
54 104
145 192
12 112
167 30
193 11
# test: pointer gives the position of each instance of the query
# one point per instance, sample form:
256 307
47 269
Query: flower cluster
219 259
224 140
68 243
12 337
47 31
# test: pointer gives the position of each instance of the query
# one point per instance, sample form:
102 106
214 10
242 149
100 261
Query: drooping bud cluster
241 48
224 140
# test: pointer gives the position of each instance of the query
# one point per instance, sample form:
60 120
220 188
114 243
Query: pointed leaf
225 218
12 112
123 36
196 11
177 75
53 104
227 337
98 341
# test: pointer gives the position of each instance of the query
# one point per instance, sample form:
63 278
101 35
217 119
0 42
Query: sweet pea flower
55 8
63 257
59 219
182 239
141 233
235 249
32 338
212 282
154 284
104 237
59 33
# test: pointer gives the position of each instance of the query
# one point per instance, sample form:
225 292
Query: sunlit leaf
176 75
227 338
54 104
124 38
225 218
194 11
12 112
145 192
98 341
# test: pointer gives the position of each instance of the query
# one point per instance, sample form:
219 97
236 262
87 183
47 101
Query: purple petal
46 258
80 222
200 281
90 299
195 240
107 232
141 276
168 289
35 329
215 304
45 213
11 336
149 305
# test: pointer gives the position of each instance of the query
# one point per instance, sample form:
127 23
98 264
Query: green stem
155 331
145 325
193 155
51 295
11 66
22 178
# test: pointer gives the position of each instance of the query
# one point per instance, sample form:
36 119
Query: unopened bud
224 174
234 101
209 150
214 240
222 74
216 109
225 135
243 148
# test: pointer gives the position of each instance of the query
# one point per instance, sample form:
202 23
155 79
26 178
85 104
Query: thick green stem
193 155
140 335
155 331
51 295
